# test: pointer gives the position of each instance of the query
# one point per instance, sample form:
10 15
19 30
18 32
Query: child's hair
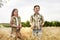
36 6
13 12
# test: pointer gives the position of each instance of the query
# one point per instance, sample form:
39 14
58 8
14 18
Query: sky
50 9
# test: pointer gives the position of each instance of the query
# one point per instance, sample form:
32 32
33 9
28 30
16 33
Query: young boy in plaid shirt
36 21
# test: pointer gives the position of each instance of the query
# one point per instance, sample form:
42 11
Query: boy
36 21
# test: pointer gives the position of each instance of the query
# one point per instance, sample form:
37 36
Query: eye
36 8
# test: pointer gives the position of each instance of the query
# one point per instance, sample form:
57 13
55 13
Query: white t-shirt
17 21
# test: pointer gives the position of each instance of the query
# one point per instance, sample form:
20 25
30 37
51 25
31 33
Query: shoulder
32 15
13 17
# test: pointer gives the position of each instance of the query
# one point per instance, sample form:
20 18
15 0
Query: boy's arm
31 20
42 21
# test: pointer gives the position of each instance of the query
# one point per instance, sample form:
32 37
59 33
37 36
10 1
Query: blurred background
50 9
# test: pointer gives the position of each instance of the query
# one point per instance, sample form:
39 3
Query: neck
16 16
36 13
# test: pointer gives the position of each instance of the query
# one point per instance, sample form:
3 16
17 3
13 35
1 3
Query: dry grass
48 33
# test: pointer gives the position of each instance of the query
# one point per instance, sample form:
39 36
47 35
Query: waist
37 30
36 27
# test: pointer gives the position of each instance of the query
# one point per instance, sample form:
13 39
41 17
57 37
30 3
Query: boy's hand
19 26
42 25
31 27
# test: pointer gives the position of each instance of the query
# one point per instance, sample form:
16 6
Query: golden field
48 33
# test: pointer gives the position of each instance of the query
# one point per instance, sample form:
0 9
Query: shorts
37 32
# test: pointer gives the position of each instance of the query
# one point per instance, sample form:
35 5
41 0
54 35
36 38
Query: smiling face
36 9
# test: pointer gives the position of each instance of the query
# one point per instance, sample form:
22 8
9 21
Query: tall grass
48 33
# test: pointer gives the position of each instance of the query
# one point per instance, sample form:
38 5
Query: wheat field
48 33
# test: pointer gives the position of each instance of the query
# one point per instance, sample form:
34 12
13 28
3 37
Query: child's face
36 9
16 13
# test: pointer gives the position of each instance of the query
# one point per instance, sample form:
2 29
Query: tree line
27 24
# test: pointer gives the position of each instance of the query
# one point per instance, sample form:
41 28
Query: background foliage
27 24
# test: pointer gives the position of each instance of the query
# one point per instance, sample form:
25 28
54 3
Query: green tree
23 24
27 23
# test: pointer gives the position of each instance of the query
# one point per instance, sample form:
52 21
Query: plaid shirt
14 23
36 20
14 20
